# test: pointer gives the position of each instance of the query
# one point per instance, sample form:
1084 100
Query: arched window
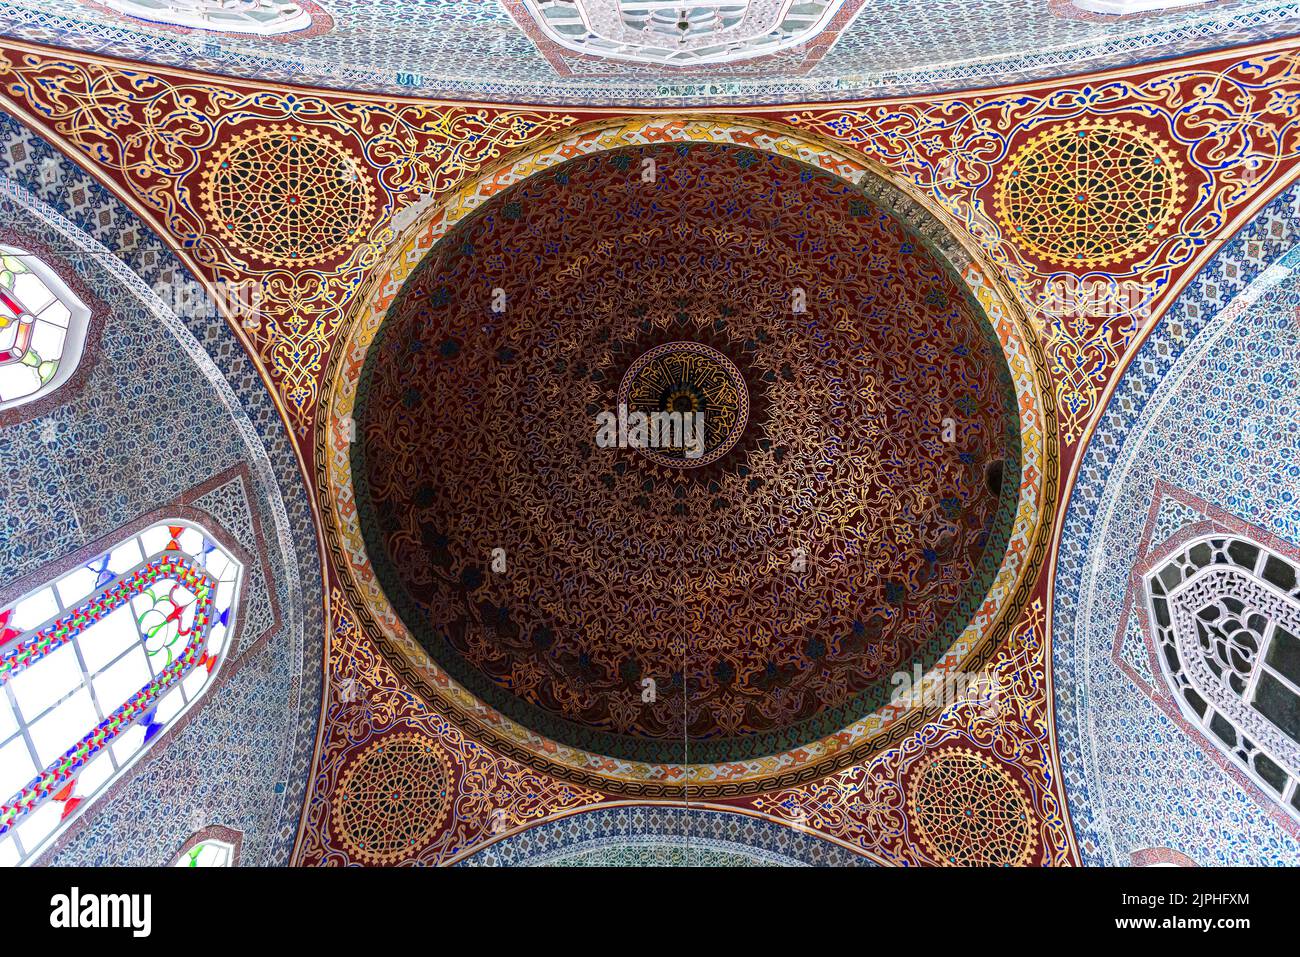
210 853
258 17
651 31
1124 8
42 328
97 663
1226 616
214 846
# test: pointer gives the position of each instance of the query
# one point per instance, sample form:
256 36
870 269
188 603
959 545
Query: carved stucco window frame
1201 695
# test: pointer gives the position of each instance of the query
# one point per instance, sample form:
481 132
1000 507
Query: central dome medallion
840 521
693 381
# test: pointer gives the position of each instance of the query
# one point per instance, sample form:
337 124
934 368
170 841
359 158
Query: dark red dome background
477 433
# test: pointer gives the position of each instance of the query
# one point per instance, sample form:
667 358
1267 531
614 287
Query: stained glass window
1226 616
209 853
95 664
42 328
1124 8
260 17
652 31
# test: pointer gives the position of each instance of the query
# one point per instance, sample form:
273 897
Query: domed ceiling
846 514
907 338
632 52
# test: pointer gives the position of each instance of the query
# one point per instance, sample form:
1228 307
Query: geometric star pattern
1089 193
393 798
968 811
288 196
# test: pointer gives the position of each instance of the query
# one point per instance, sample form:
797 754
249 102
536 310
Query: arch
1160 857
212 846
662 834
231 467
1225 614
1138 773
642 31
1126 8
49 322
96 662
263 18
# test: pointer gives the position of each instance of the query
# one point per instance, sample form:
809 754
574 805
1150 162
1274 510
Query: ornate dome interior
823 450
613 432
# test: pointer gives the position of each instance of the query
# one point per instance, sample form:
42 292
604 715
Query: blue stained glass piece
151 725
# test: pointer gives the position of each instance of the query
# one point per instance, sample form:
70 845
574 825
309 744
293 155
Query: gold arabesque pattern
648 778
693 378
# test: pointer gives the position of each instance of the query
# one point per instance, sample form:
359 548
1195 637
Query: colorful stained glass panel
208 853
42 328
96 663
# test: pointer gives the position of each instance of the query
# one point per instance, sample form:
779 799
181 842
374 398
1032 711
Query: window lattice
210 853
42 328
1090 193
258 17
1226 615
288 196
968 811
651 31
95 664
393 798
